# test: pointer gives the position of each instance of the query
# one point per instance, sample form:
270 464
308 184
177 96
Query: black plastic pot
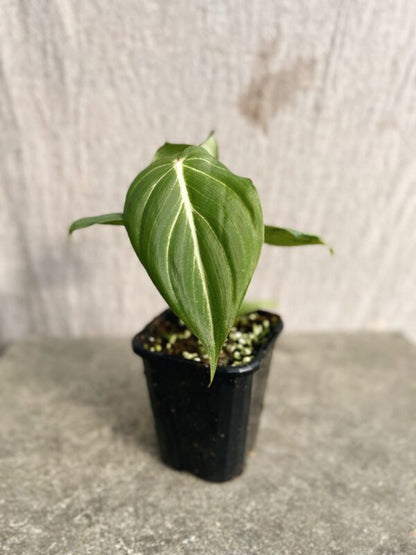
206 430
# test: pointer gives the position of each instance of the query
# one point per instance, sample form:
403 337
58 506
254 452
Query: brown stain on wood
268 92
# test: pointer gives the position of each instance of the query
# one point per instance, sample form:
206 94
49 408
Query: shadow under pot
206 430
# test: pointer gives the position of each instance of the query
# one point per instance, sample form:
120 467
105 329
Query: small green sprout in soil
169 335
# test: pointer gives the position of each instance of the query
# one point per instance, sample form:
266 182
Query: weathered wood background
315 101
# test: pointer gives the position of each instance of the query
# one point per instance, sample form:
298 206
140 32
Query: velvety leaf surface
198 230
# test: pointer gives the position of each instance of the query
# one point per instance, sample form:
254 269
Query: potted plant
198 230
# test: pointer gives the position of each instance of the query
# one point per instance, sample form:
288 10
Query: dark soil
169 335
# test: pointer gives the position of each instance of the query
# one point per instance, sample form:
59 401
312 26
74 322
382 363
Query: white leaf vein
190 219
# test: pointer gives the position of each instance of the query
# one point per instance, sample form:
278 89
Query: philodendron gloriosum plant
198 230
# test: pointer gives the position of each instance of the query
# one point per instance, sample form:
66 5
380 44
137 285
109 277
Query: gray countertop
334 471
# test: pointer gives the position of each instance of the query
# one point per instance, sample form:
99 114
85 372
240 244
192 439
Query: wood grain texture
315 101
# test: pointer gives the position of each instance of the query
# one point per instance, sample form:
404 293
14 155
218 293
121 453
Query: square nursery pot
206 430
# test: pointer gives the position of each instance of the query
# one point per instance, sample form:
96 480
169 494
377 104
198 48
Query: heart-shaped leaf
198 230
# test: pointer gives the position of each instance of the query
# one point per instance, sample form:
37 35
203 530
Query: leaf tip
212 370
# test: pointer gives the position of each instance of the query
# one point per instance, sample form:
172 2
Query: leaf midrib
178 166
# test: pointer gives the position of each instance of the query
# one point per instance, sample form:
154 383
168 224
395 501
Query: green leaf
211 145
290 238
197 228
252 306
110 219
169 150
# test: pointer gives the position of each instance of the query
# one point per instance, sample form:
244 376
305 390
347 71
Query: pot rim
247 368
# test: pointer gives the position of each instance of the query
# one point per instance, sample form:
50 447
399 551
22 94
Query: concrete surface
334 471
